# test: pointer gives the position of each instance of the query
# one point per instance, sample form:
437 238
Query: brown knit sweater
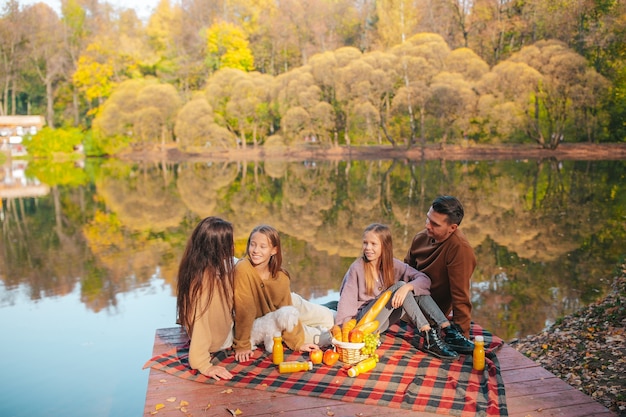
449 265
254 298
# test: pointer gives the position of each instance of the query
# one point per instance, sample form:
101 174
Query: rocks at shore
587 349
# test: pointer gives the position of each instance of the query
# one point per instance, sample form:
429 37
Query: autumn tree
551 112
450 103
397 21
94 76
227 47
366 86
12 55
297 101
505 93
76 33
250 107
142 109
196 129
420 58
174 35
45 50
156 116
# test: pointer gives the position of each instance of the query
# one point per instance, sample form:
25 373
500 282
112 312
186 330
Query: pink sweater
353 296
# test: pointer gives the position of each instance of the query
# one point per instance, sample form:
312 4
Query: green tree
48 142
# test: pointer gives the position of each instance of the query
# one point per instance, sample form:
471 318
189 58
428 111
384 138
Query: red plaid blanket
404 378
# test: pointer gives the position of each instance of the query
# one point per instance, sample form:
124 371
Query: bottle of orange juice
294 366
278 352
479 353
364 366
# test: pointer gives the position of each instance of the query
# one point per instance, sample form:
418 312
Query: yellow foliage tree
228 47
94 79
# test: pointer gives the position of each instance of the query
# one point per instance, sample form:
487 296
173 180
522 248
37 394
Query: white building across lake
14 128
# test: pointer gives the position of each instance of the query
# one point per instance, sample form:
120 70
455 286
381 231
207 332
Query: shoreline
578 151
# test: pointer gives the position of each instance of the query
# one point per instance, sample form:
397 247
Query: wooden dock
531 391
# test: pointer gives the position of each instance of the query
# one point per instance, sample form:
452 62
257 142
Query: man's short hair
449 206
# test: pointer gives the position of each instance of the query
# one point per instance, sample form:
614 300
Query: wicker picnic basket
349 353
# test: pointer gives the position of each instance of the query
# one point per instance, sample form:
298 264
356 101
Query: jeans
420 310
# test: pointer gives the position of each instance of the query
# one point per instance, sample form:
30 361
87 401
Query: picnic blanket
404 377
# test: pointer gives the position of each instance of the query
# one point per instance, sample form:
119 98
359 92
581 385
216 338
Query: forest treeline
206 74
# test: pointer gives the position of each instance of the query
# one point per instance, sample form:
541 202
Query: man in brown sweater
443 253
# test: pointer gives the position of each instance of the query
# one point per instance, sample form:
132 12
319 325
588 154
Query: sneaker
456 340
433 344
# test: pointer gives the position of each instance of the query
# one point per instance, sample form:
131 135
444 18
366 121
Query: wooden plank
530 390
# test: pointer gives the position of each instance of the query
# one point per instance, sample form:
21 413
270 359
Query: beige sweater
254 298
212 332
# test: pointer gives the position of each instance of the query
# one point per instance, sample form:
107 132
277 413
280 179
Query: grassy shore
588 349
458 152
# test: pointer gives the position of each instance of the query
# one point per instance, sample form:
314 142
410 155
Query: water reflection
547 235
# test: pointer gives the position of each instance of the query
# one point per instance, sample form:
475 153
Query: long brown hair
275 264
385 262
207 265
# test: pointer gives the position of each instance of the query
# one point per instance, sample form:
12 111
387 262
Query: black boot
454 338
433 344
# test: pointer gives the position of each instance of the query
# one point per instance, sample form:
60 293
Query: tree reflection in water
547 234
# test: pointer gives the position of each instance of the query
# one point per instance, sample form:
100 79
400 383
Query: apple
330 357
316 357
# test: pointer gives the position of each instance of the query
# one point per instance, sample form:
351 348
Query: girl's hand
399 295
309 347
243 356
219 372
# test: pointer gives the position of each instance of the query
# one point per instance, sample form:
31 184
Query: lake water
90 252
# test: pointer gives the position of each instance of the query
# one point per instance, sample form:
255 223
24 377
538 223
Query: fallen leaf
171 399
330 413
183 409
162 381
183 403
207 407
153 413
227 391
159 406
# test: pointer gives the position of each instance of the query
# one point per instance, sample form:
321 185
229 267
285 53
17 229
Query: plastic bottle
294 366
278 352
364 366
479 353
